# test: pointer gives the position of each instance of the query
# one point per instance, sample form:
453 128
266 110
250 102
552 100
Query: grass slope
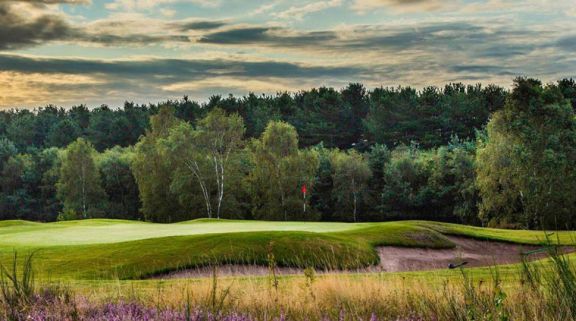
502 235
109 249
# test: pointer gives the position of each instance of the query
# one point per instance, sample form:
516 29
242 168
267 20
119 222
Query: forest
474 154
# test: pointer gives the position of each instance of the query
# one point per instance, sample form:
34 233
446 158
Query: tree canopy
461 153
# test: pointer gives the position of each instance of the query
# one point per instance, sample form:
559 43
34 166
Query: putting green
21 233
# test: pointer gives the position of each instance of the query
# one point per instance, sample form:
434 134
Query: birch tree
280 169
79 186
351 175
220 136
190 160
204 154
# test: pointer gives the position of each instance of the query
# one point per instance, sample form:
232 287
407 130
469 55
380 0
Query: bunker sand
476 253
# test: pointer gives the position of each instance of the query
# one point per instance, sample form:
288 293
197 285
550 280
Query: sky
94 52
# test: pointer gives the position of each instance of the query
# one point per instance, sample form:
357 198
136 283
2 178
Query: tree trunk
83 182
354 207
283 206
195 169
354 196
219 170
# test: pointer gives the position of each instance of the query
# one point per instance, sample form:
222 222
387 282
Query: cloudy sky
69 52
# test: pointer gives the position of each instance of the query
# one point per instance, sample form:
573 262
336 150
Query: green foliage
189 176
63 133
432 184
17 181
351 175
462 175
405 180
181 159
204 161
48 171
279 171
321 199
153 172
220 137
22 130
526 166
79 185
17 288
119 183
432 116
7 149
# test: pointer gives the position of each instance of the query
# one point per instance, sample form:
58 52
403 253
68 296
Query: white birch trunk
195 169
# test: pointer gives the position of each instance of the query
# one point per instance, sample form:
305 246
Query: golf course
273 160
118 249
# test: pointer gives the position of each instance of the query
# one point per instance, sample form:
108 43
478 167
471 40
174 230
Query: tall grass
17 288
538 290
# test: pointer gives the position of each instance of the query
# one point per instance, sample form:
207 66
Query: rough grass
110 249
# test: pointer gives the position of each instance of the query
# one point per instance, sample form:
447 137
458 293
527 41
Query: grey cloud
458 36
506 50
567 43
200 25
452 34
150 80
18 32
21 32
482 69
237 36
267 36
170 70
438 41
134 39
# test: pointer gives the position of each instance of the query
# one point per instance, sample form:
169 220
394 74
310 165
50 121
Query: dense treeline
469 154
389 116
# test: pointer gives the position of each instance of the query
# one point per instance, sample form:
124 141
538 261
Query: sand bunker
399 259
474 252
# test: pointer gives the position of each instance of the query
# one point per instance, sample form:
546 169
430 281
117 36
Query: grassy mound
501 235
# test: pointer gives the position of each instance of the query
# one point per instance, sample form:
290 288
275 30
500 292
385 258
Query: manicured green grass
110 249
502 235
23 233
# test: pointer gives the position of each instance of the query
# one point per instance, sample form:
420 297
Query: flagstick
304 191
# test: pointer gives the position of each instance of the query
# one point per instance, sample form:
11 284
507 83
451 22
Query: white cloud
150 4
168 13
298 13
363 6
266 8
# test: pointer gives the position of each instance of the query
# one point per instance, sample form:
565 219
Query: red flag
304 189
